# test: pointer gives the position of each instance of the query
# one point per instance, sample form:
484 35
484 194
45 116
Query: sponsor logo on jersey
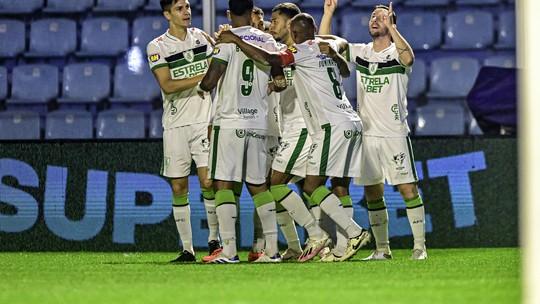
374 84
189 55
190 70
326 62
312 149
205 143
216 51
248 112
197 41
373 66
252 38
154 57
351 133
292 49
395 110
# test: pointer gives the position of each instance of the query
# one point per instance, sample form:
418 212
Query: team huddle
280 116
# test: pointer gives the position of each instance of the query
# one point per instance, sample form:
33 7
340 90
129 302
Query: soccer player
178 59
383 67
334 126
257 18
239 137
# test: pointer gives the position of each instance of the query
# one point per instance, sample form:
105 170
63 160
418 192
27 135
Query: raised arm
252 51
325 27
406 54
342 44
341 62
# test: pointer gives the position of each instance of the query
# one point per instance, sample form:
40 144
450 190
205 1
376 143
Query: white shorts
272 147
182 145
238 155
335 151
291 158
387 159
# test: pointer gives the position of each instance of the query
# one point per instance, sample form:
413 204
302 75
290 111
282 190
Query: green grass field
449 276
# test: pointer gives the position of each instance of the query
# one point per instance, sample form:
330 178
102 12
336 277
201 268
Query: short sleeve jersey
382 90
185 59
318 85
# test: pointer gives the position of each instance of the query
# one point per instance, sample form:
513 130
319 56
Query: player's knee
309 187
340 191
206 183
179 187
408 191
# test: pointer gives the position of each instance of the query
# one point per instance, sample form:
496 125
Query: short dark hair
394 16
305 20
287 8
257 10
240 7
166 4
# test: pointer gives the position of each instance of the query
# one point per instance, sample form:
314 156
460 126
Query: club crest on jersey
189 55
399 158
373 66
154 57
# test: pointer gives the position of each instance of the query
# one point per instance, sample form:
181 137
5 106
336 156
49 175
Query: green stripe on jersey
381 71
182 62
161 65
219 60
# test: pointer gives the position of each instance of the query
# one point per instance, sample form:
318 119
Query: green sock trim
263 198
309 201
208 194
279 192
237 188
320 194
376 205
346 201
181 200
415 202
225 197
280 208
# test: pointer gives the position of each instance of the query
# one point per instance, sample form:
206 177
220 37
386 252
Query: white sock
316 212
341 237
182 217
288 228
211 218
331 205
226 214
258 236
417 221
378 220
267 214
298 211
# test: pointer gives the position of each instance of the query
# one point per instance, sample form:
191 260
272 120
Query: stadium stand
3 83
41 78
440 118
85 83
134 84
145 29
20 7
118 6
52 38
417 79
104 36
12 37
506 31
452 77
65 7
423 30
469 30
120 123
65 124
17 125
501 61
156 130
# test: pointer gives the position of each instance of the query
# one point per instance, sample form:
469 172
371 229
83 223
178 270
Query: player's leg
182 218
378 219
417 218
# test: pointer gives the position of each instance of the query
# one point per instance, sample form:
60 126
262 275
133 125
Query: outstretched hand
226 37
327 49
330 6
222 28
388 19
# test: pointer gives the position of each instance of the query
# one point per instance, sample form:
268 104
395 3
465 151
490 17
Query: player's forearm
325 27
341 43
170 86
342 65
258 54
405 52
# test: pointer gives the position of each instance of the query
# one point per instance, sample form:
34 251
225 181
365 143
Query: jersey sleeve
354 50
287 56
155 57
222 53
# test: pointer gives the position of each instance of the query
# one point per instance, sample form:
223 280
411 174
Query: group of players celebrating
280 115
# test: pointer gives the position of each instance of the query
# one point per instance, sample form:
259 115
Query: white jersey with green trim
185 59
382 90
318 85
242 92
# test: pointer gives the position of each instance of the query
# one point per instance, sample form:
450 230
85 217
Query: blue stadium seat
69 125
422 30
506 32
118 6
501 61
85 83
349 84
15 125
452 77
440 118
52 37
354 27
469 30
477 2
104 36
120 123
34 83
145 29
153 6
3 83
134 84
12 37
71 6
427 3
317 15
366 3
156 128
20 6
417 79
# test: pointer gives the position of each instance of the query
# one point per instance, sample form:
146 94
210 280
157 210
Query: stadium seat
34 83
71 6
12 37
417 79
354 27
452 77
153 6
317 15
506 32
69 125
104 36
145 29
3 83
118 6
16 125
365 3
477 2
156 128
501 61
422 30
52 37
440 118
120 123
134 84
20 6
427 2
469 30
85 83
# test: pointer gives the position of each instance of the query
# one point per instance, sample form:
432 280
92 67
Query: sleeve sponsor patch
293 49
154 57
216 51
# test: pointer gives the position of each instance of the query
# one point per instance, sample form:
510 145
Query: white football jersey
242 91
185 59
382 90
318 85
